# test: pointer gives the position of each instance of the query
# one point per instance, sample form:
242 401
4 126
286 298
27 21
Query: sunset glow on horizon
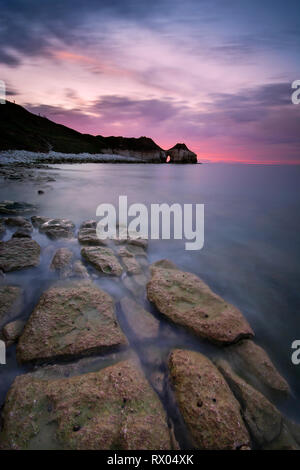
211 74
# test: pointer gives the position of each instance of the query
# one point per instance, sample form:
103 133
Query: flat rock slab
113 409
11 299
208 407
188 301
103 259
19 253
142 323
71 319
58 228
255 361
16 208
263 419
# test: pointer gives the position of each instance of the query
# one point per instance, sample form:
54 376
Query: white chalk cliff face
181 154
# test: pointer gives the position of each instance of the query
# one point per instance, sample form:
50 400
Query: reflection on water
250 255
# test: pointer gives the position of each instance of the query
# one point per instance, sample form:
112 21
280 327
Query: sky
215 74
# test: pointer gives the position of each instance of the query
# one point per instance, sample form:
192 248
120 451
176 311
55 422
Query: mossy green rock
69 320
10 303
262 418
208 407
19 253
103 259
113 409
188 301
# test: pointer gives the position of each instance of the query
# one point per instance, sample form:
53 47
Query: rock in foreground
188 301
70 320
19 253
262 418
208 407
113 409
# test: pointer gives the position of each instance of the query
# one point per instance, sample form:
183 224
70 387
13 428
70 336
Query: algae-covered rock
69 320
208 407
113 409
13 330
11 299
255 361
262 418
103 259
142 323
62 262
188 301
19 253
58 228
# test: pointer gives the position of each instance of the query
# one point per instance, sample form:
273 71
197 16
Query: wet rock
58 228
209 409
79 270
12 331
71 319
187 301
88 236
21 233
157 380
11 299
15 208
131 264
142 323
103 259
136 284
19 222
62 263
113 409
89 224
19 253
285 441
255 361
2 228
263 419
38 220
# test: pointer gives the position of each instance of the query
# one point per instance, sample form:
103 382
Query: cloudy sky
215 74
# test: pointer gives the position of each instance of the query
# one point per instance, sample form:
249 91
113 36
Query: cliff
181 154
23 130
